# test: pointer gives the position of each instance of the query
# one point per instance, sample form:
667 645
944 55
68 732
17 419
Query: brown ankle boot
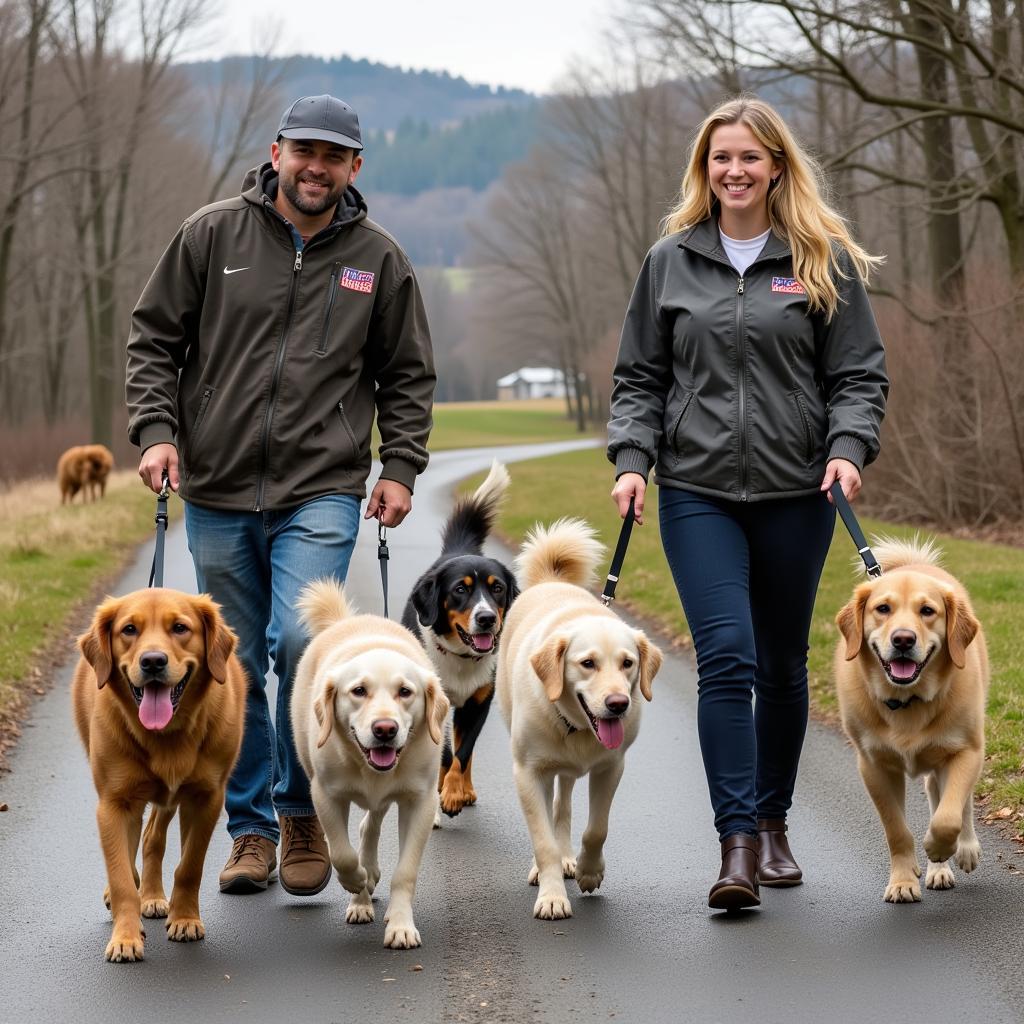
776 864
305 862
736 887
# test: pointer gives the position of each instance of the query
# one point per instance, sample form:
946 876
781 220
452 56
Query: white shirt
743 251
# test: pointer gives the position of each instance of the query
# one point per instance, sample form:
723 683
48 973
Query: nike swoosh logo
237 270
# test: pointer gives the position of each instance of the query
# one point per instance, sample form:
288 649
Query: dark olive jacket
729 387
264 360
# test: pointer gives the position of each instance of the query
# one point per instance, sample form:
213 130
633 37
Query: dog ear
438 707
650 661
220 640
549 664
95 644
850 620
513 590
961 627
424 600
323 708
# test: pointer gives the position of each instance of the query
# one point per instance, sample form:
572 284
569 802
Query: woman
751 375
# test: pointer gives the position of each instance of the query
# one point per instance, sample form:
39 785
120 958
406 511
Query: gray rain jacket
728 387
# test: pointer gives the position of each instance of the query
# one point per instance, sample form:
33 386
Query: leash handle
156 571
382 557
608 594
853 528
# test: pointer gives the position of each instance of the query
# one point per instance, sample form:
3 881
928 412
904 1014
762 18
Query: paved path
644 949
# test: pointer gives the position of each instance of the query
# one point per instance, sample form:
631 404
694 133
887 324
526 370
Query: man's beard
309 206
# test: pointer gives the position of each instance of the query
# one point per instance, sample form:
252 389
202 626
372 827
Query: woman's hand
630 485
846 473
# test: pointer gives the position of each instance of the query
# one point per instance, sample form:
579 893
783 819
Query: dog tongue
156 709
482 641
382 757
903 668
610 732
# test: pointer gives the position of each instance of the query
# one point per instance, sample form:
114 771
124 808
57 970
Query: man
273 326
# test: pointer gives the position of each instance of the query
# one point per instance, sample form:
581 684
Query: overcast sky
527 44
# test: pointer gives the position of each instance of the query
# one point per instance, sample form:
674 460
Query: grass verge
578 484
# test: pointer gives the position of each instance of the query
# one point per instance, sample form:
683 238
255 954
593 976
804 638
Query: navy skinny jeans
747 574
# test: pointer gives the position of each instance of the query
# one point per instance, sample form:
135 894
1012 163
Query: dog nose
903 639
616 703
385 729
486 620
153 662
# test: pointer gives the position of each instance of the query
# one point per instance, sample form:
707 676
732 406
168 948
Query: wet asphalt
644 949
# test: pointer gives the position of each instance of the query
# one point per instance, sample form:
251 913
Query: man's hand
155 459
630 485
390 502
846 473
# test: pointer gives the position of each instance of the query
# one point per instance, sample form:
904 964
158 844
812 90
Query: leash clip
165 486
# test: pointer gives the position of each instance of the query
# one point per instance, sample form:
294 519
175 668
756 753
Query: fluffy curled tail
567 551
474 516
321 604
893 553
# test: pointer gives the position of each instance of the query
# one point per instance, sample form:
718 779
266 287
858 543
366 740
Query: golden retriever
84 468
912 677
159 701
568 677
368 716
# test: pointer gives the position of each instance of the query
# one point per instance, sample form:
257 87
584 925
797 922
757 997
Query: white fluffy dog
569 673
367 715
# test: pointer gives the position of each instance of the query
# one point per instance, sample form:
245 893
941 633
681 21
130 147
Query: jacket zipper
741 346
321 349
275 382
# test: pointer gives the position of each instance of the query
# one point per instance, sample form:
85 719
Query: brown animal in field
159 701
84 468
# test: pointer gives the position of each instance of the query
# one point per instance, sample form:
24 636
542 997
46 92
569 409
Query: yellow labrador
368 715
912 676
568 679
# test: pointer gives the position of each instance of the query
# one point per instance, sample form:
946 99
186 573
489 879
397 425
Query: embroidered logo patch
359 280
788 286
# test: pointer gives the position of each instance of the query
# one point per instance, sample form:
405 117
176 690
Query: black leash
865 552
382 557
156 572
608 594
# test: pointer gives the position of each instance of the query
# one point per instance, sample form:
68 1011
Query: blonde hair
797 210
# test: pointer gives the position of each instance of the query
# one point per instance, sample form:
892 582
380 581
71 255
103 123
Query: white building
532 382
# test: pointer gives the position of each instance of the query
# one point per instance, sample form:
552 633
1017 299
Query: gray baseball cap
321 117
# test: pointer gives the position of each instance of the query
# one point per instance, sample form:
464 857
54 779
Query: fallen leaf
416 967
1004 813
3 807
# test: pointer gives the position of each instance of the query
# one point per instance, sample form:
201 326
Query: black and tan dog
457 609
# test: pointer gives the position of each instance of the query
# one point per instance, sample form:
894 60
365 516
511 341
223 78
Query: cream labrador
368 714
912 676
568 677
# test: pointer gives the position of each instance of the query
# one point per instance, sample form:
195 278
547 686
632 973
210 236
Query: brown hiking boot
249 868
305 862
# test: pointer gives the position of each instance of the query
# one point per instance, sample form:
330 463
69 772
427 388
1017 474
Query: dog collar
468 657
898 705
565 721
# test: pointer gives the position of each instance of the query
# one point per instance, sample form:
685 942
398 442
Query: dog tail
893 553
474 516
567 551
322 603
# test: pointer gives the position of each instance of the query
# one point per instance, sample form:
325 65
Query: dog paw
552 907
939 876
125 949
359 911
534 875
903 890
589 873
155 907
403 936
940 843
968 854
455 795
437 819
185 929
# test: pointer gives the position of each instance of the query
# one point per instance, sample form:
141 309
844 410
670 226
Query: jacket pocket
204 404
349 433
804 419
677 422
332 295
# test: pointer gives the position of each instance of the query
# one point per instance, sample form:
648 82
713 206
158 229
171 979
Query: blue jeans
254 564
747 575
